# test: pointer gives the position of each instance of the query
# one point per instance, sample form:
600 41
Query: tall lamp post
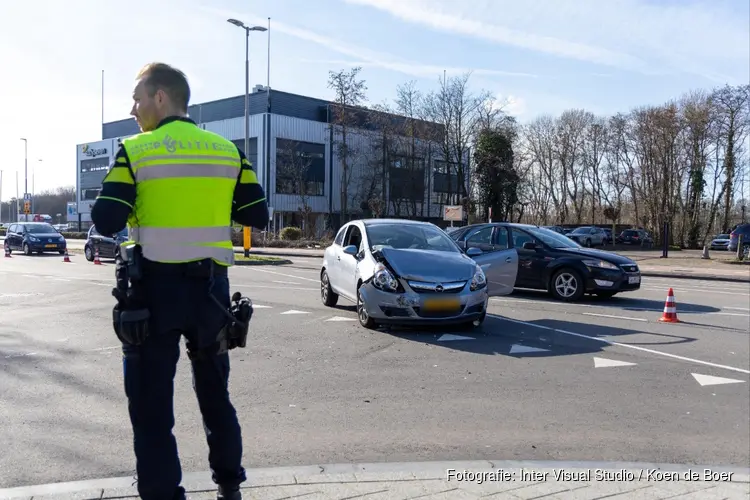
25 166
248 29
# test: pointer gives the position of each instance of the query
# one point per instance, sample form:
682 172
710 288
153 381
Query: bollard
705 253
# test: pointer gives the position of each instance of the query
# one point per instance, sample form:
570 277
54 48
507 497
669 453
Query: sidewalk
441 480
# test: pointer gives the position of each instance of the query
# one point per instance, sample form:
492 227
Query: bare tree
349 92
292 171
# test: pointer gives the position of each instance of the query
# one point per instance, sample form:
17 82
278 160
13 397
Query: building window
445 183
300 168
406 178
89 194
252 151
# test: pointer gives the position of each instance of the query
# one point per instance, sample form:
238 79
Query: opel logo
439 288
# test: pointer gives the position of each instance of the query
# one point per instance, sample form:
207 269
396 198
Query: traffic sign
27 196
27 206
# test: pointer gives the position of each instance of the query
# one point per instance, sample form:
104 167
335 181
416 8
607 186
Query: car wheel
89 253
327 295
364 318
567 285
588 244
6 248
606 294
61 252
26 249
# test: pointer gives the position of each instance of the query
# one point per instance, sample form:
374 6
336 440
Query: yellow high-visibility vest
185 178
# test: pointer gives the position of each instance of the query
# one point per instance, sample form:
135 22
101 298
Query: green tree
497 178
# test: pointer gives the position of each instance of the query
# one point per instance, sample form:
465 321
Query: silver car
412 273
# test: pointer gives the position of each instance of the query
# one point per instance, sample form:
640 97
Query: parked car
635 237
607 236
556 263
720 242
31 237
588 236
557 229
412 273
734 237
108 246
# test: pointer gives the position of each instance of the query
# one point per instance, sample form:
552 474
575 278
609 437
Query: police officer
178 187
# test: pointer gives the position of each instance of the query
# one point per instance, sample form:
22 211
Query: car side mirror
351 250
530 245
474 251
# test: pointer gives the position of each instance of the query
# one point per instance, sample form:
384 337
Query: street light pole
25 165
248 29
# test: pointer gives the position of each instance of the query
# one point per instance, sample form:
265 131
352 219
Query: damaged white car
412 273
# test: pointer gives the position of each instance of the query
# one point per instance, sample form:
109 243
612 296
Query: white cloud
363 56
628 34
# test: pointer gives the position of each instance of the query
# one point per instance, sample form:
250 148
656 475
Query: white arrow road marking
711 380
610 363
449 336
523 349
340 318
294 311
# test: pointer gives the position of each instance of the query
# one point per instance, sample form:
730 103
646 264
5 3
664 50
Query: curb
280 262
708 277
365 472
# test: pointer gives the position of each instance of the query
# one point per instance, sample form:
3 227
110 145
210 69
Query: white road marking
287 282
61 279
627 346
340 318
284 274
258 306
30 276
19 295
449 337
711 380
523 349
737 308
615 306
610 363
615 317
294 311
276 287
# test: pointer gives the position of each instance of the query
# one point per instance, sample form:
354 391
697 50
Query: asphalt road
536 382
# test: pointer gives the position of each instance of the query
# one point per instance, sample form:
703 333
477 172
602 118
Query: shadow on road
623 302
532 339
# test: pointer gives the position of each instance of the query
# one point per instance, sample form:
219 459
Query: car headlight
601 264
479 280
384 280
31 238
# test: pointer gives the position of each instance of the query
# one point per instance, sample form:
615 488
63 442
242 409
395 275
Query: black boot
232 493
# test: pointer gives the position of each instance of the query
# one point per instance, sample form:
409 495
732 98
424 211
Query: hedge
257 241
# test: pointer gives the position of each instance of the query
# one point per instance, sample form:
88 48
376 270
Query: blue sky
542 56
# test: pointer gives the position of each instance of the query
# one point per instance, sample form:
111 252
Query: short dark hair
159 76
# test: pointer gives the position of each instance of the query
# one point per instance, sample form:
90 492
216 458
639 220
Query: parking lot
596 380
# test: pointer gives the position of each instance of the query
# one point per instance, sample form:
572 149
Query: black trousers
178 299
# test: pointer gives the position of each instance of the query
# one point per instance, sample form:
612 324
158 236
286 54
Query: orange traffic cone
96 258
670 309
66 258
7 252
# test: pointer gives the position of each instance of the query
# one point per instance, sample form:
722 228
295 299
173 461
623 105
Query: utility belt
131 315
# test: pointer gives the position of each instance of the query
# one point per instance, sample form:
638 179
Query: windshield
723 237
580 230
123 233
40 229
410 236
551 238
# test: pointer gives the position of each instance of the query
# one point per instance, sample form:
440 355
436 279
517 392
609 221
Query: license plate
52 245
634 279
441 305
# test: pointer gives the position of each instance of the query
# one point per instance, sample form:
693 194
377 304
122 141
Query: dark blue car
30 237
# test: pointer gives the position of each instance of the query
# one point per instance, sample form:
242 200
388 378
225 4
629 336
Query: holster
130 316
